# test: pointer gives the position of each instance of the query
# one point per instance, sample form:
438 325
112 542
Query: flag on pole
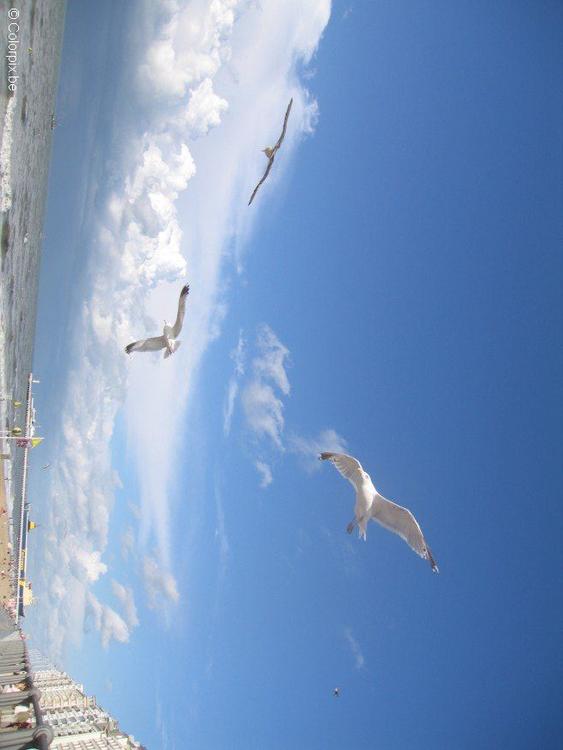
28 442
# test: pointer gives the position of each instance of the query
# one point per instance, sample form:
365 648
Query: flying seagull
336 692
271 152
168 340
370 504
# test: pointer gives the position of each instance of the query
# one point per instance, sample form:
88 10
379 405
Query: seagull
169 333
370 504
271 152
336 692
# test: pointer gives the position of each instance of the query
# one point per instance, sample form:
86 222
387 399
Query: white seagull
370 504
168 340
271 152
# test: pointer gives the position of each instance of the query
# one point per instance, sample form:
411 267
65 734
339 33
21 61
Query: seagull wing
402 522
177 327
146 345
348 466
285 119
266 173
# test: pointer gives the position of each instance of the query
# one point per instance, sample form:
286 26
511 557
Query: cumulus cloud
357 654
152 212
127 601
91 564
265 472
205 108
190 46
160 585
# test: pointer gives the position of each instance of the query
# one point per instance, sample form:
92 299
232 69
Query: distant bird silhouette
271 152
336 692
168 340
370 504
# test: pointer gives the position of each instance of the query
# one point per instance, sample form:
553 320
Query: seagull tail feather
430 558
174 345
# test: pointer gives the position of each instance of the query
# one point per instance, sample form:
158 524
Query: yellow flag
36 441
17 403
31 525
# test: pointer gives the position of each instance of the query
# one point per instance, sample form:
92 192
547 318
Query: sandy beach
5 553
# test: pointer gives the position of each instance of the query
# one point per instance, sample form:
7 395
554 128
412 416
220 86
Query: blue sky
394 291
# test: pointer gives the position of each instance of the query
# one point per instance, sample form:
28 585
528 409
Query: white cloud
205 108
265 473
309 449
262 406
359 660
110 625
127 542
127 600
263 411
155 226
238 357
272 359
91 563
160 585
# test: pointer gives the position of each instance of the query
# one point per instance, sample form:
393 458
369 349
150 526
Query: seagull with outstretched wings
271 152
168 341
370 504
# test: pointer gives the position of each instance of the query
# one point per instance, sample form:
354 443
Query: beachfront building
76 719
96 741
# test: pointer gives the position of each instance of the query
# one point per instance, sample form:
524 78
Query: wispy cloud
308 449
160 585
127 601
111 626
265 472
355 648
262 405
238 357
221 533
127 542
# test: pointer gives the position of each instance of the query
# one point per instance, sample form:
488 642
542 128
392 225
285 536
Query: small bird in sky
370 504
168 341
271 152
336 692
46 466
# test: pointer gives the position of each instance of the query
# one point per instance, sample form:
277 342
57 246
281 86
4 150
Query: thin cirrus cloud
110 625
262 396
262 399
160 585
124 595
355 648
265 473
154 225
238 357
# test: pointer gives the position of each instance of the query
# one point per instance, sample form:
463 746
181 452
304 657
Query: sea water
31 40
